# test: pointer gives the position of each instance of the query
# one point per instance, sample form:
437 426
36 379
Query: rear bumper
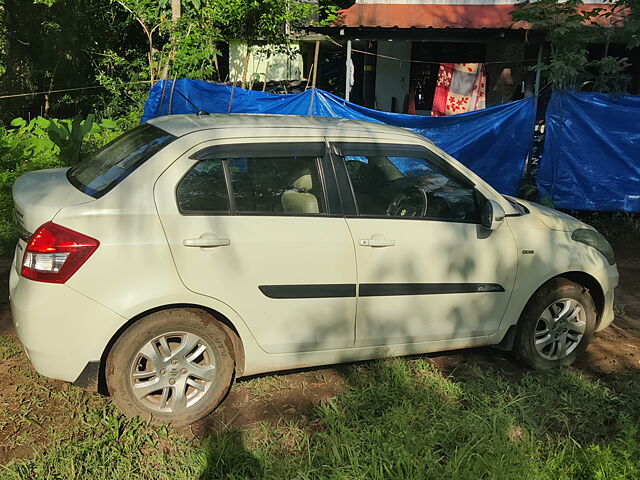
61 329
608 278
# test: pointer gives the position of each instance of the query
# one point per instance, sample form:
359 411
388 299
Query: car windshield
115 161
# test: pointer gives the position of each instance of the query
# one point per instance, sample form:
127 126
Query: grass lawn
470 415
401 418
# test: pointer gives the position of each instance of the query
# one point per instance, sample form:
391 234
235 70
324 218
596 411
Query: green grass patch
9 348
398 419
264 386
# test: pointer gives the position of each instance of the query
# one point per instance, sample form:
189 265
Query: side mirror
492 215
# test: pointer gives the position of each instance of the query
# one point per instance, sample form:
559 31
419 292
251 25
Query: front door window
401 186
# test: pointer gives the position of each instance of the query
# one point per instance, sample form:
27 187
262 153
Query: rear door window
277 185
118 159
263 179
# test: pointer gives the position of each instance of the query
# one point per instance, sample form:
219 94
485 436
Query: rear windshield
115 161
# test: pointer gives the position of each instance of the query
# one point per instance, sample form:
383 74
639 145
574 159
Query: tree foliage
191 38
632 21
570 30
125 46
57 47
271 21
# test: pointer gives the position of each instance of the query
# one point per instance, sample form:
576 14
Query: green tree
56 46
150 16
570 29
124 46
183 45
631 8
3 41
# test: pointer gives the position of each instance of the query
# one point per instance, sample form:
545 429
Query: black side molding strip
337 290
387 289
342 290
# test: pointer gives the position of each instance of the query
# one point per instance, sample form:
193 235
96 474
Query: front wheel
556 325
173 366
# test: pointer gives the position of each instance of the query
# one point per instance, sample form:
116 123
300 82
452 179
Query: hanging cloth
461 88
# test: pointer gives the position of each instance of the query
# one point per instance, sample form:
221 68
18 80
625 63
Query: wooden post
347 83
536 92
315 64
311 68
266 75
538 71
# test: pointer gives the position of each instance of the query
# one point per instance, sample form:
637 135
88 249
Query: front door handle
207 240
377 241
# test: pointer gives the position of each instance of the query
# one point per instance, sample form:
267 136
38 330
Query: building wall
264 62
392 76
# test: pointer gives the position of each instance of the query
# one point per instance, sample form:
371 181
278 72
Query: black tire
529 326
125 359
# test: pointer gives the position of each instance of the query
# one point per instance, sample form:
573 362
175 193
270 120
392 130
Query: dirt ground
30 405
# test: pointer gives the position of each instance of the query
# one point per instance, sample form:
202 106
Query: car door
255 226
427 270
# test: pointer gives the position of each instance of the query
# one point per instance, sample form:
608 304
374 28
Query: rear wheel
556 325
173 366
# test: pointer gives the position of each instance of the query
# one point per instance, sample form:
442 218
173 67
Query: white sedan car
193 250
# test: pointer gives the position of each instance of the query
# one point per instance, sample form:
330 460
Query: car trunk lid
39 195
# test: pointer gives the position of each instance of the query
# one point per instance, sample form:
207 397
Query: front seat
298 199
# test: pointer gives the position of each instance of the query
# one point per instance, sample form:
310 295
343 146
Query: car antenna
200 112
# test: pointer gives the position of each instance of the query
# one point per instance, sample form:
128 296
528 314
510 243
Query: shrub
40 144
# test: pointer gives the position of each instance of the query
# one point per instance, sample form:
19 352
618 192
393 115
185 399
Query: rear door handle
377 241
207 240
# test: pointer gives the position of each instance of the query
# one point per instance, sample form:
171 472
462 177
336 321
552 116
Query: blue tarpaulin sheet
591 157
493 142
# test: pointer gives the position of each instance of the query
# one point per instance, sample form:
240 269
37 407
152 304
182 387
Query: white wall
281 66
392 76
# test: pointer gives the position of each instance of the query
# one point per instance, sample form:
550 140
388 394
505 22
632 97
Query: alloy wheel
560 329
173 372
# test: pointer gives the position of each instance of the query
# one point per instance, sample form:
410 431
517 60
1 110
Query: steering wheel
411 202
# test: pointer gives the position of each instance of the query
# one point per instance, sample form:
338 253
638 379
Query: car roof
180 125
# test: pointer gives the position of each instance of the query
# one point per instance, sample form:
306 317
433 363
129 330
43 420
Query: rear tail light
54 253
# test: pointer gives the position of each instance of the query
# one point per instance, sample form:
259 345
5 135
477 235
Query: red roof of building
437 16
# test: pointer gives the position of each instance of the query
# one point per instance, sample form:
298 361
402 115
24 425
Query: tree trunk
215 62
176 13
246 66
152 71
